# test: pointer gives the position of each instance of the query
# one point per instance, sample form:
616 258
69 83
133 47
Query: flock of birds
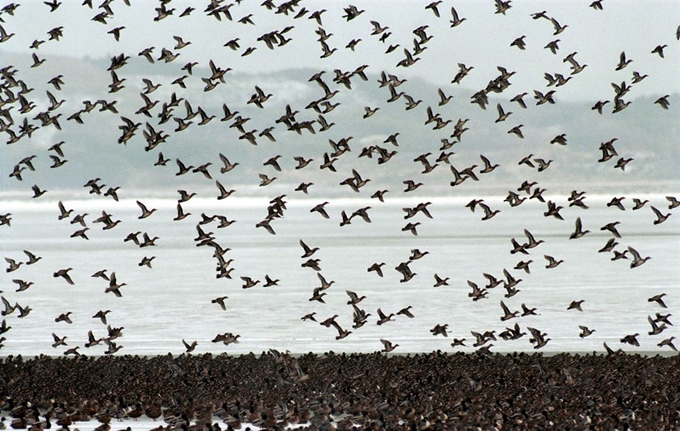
160 119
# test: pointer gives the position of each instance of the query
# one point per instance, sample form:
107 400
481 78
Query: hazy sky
482 40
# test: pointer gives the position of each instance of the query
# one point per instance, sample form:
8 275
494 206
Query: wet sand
367 391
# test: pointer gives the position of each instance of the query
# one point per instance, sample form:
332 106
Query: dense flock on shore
338 391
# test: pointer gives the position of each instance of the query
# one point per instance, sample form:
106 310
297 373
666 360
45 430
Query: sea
173 300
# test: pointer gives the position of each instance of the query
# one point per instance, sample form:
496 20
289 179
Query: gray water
172 301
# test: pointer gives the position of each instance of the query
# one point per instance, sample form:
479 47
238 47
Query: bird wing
454 14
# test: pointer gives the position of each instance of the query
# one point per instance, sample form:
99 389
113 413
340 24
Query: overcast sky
482 40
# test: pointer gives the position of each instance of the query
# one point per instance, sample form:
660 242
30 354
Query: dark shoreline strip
446 391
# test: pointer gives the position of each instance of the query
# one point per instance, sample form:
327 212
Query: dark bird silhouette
660 217
455 19
576 305
377 268
145 211
64 273
659 50
623 61
578 232
658 299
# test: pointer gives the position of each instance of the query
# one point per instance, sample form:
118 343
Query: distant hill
645 132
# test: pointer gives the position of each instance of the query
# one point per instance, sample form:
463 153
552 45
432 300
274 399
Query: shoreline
540 353
427 390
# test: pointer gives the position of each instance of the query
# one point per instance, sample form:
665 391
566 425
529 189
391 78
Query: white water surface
172 301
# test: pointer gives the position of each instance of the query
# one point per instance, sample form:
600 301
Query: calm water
172 301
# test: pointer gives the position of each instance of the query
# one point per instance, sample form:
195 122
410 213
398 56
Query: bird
354 298
23 285
146 261
440 281
383 318
91 340
440 329
658 299
406 311
4 36
617 202
388 346
517 131
433 7
342 333
443 98
320 209
524 265
611 227
101 314
58 341
668 342
488 213
411 227
37 191
377 268
585 331
114 287
640 203
64 317
189 347
64 273
507 314
309 316
539 339
599 105
637 259
458 342
32 258
576 305
224 193
578 232
526 311
313 264
308 251
181 215
519 42
631 339
660 217
502 115
248 282
220 301
623 61
532 241
370 111
145 211
674 203
13 264
552 262
659 50
324 283
663 101
476 294
328 322
656 328
553 46
455 19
